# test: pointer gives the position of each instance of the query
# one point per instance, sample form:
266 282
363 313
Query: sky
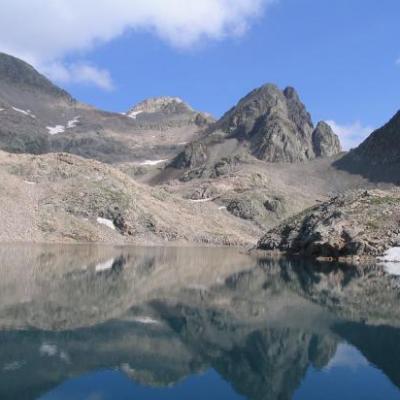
342 56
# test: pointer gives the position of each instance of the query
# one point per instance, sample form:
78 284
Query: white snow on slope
391 261
392 254
73 122
1 109
106 222
202 200
134 114
146 320
152 162
55 130
104 266
25 112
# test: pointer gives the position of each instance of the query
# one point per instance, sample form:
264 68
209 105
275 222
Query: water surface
99 323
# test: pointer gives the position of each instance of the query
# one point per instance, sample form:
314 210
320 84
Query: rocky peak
169 112
291 93
241 119
325 142
165 105
297 112
278 126
22 76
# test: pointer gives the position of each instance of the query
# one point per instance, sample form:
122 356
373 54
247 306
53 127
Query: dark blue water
87 323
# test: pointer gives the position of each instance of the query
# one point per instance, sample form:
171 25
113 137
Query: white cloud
347 357
44 31
351 135
82 73
398 61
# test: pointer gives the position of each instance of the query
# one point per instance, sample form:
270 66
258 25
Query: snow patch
146 320
391 261
25 112
222 208
134 114
106 222
202 200
392 254
152 162
2 109
73 122
55 130
105 265
30 183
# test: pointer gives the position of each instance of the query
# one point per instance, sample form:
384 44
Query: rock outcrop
363 223
325 142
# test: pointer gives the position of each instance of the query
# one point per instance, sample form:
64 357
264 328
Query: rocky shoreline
353 226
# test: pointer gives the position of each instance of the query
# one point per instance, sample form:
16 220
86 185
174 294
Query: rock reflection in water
161 315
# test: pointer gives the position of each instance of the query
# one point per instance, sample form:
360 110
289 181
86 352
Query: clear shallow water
90 323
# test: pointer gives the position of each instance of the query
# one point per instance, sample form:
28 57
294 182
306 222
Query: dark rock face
275 123
274 126
194 155
325 142
378 157
279 127
382 147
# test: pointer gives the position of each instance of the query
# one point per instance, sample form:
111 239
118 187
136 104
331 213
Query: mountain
38 117
176 174
378 157
269 124
277 126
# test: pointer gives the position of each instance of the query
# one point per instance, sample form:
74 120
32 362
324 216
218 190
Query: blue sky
343 56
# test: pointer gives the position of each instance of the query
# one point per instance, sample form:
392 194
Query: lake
98 323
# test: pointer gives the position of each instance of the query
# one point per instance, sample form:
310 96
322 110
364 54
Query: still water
99 323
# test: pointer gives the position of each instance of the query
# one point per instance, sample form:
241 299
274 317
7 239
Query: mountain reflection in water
97 323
